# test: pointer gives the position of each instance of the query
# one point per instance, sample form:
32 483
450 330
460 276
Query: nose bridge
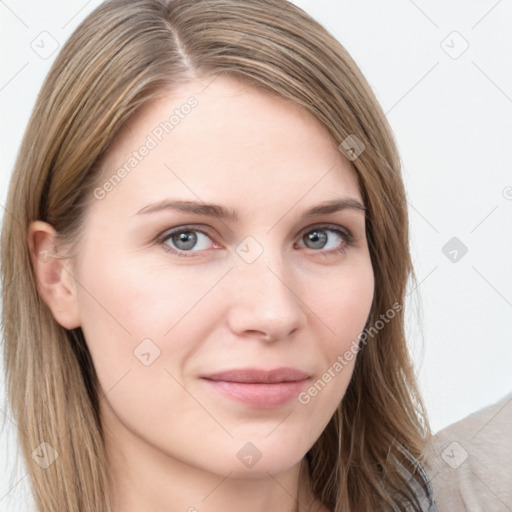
263 298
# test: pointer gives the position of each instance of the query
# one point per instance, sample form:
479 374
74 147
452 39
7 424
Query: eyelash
341 232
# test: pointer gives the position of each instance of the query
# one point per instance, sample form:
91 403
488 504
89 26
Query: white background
452 118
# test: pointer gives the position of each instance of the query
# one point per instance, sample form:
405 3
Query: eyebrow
221 212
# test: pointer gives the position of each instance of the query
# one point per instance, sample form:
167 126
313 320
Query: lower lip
258 394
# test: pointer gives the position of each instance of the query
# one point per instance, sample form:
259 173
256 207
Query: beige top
470 462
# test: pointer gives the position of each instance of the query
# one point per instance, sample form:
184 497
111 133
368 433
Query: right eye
184 240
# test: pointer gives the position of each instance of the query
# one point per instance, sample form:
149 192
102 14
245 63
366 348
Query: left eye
328 239
319 238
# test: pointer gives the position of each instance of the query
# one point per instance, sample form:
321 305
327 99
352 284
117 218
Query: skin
171 440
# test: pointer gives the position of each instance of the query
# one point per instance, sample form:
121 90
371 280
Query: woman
209 231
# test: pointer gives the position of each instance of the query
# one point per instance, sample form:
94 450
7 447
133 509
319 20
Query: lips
250 375
258 388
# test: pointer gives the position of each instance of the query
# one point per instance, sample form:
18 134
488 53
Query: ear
55 281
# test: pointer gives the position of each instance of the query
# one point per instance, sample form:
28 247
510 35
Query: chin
258 458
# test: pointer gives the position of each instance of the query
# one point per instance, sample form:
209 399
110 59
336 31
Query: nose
265 301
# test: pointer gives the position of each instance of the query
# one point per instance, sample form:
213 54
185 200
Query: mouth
258 388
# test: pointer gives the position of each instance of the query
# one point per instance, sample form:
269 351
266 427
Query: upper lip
255 375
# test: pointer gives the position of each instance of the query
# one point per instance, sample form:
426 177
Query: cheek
344 308
345 305
131 308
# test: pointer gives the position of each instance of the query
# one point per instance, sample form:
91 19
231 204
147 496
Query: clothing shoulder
470 462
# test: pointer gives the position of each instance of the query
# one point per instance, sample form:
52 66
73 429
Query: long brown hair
123 55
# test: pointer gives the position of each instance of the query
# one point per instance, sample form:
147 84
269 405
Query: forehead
224 140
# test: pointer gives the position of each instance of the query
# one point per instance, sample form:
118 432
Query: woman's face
196 315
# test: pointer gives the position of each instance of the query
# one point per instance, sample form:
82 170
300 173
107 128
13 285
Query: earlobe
52 270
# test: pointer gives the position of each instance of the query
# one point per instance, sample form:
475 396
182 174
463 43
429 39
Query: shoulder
469 462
